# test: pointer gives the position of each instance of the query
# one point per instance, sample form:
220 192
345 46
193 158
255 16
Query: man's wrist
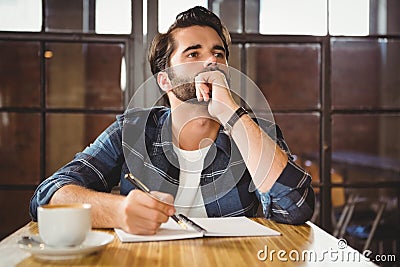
227 114
228 126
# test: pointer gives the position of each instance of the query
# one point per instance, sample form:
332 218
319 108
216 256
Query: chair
369 218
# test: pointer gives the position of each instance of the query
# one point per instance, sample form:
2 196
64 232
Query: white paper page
229 226
168 231
234 226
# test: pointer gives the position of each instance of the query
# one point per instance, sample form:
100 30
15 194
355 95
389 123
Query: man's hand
141 213
212 86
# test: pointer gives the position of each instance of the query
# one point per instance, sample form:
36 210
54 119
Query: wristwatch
234 118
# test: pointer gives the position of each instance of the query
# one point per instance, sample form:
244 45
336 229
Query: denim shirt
139 141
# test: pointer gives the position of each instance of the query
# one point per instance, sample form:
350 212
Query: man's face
198 49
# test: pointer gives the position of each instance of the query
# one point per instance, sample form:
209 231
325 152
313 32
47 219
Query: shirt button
265 198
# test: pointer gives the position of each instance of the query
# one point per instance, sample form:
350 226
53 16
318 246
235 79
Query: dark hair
163 43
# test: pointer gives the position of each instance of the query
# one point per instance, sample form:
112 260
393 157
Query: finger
143 231
162 202
215 77
140 219
151 202
211 80
203 91
205 88
143 227
199 92
150 214
164 197
156 218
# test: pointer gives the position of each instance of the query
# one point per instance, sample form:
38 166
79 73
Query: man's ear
164 81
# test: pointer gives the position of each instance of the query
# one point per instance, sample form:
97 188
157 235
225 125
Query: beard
184 87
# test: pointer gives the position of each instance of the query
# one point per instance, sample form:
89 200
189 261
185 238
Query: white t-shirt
189 200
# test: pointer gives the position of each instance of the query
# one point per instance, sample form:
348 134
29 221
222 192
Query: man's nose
210 62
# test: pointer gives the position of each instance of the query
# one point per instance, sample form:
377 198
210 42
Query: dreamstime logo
342 253
342 243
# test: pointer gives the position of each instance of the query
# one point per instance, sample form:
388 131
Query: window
113 17
343 20
87 16
308 17
21 15
168 9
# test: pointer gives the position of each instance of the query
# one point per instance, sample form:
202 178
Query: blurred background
330 70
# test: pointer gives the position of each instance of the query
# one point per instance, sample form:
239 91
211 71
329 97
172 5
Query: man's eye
219 55
194 54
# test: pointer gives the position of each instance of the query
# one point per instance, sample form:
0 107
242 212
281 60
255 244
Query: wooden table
319 248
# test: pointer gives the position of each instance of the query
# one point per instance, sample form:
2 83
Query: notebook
216 227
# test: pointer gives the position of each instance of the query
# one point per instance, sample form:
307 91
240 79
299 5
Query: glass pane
169 9
349 17
15 213
304 145
338 200
384 17
77 131
288 75
365 147
230 12
19 148
71 16
84 75
113 16
252 16
365 73
234 56
87 16
19 74
21 15
307 17
364 17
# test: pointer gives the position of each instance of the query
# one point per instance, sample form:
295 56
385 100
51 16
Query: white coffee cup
64 225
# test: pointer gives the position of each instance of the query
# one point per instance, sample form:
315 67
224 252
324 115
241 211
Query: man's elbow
304 214
298 214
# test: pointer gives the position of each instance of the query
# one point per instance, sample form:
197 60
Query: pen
188 221
141 186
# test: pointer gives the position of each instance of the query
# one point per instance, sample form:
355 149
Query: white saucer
94 241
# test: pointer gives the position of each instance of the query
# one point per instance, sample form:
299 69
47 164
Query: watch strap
233 119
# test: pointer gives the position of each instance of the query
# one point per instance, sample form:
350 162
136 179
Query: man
159 146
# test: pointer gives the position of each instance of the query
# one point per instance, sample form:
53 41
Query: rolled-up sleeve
97 167
291 199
